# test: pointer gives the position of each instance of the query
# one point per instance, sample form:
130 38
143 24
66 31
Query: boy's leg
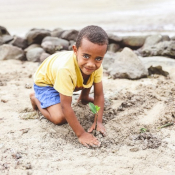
53 113
56 114
32 96
84 96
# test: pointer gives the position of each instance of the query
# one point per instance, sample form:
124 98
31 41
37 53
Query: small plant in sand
142 130
94 109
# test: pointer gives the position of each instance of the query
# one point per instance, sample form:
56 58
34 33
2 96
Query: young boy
65 72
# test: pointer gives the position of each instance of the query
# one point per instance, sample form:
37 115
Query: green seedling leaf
97 108
93 108
143 130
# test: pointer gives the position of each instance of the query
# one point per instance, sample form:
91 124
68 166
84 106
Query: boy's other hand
88 139
100 128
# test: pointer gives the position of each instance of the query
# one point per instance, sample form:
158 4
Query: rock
11 52
3 31
3 83
34 54
114 38
127 65
7 38
1 40
28 86
32 46
168 64
16 155
157 70
166 48
152 40
49 47
165 38
57 32
172 38
28 166
36 35
113 47
19 42
133 41
4 100
70 35
109 59
134 149
43 56
53 44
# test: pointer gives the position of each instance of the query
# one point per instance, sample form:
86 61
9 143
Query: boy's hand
100 128
88 139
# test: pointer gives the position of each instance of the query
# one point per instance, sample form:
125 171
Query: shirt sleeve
98 75
64 83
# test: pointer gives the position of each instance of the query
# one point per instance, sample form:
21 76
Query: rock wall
121 61
59 39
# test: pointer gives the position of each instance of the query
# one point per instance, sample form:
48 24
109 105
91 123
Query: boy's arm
84 137
99 100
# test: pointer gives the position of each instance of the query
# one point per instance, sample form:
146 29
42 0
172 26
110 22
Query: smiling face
89 56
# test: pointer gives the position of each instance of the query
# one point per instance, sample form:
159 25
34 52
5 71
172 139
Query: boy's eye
86 56
99 59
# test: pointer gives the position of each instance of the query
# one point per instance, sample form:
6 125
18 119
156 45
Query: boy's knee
58 120
32 95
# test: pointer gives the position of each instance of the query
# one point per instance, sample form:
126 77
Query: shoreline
120 17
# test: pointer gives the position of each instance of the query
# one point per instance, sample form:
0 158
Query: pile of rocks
119 62
40 43
37 45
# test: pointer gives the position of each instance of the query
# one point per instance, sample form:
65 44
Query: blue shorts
47 95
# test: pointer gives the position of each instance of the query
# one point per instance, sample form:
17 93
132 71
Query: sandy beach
134 109
30 144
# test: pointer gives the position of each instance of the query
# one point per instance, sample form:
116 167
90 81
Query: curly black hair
94 34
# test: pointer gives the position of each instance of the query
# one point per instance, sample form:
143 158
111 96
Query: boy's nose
91 64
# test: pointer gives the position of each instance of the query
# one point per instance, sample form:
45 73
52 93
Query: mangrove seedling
142 130
94 109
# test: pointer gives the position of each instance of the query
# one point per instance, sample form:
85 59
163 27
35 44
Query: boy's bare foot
32 99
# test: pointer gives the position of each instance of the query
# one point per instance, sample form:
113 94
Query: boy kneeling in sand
65 72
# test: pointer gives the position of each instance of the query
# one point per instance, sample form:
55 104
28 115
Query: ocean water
126 17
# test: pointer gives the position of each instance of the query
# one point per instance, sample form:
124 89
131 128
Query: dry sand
29 144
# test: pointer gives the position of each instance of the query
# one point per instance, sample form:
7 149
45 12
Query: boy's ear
74 49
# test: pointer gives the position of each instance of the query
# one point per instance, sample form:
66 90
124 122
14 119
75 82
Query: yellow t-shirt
62 72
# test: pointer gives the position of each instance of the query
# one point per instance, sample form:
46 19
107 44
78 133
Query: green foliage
94 108
97 108
143 130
